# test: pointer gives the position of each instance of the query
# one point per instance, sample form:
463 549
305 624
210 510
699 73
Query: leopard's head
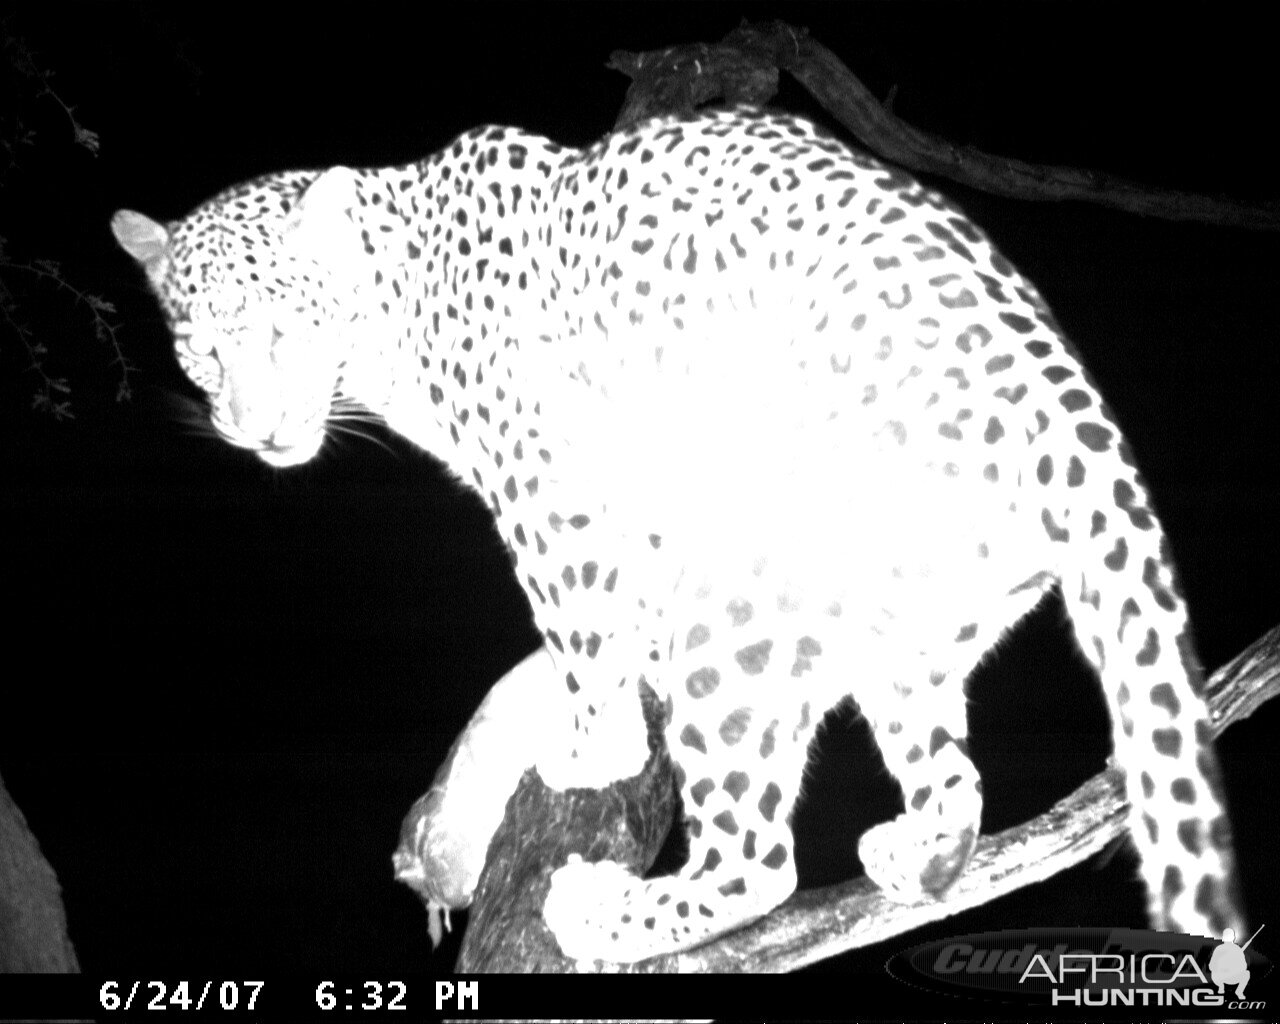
257 285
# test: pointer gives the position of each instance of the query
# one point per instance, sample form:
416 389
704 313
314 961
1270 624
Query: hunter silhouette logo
1227 965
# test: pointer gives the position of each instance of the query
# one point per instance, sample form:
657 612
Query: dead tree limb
744 68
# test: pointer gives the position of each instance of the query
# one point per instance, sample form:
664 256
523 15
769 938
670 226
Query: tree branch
33 922
744 66
627 822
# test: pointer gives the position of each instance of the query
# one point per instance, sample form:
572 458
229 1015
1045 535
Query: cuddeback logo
1090 967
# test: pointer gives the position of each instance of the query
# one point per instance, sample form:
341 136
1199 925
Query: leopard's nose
254 412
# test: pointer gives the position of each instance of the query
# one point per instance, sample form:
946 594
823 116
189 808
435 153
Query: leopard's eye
198 344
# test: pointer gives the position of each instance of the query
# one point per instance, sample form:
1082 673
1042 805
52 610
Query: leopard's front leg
445 837
597 599
749 680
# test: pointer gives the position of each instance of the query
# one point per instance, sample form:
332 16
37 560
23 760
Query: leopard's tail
1131 621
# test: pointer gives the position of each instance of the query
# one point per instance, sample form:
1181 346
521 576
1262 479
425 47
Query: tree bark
33 923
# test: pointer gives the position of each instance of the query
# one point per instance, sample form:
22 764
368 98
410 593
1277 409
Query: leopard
766 425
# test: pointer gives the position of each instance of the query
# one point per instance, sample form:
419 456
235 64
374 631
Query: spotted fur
763 422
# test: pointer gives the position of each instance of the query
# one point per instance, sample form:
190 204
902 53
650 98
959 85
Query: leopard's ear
142 238
321 223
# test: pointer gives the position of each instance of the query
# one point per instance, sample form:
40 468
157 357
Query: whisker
345 430
189 414
349 408
355 416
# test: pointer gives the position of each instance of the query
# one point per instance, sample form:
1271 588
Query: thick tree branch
744 66
628 821
33 923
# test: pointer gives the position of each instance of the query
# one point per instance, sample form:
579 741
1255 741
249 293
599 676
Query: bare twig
23 60
53 394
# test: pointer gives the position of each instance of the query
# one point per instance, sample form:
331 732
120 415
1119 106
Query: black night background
224 686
